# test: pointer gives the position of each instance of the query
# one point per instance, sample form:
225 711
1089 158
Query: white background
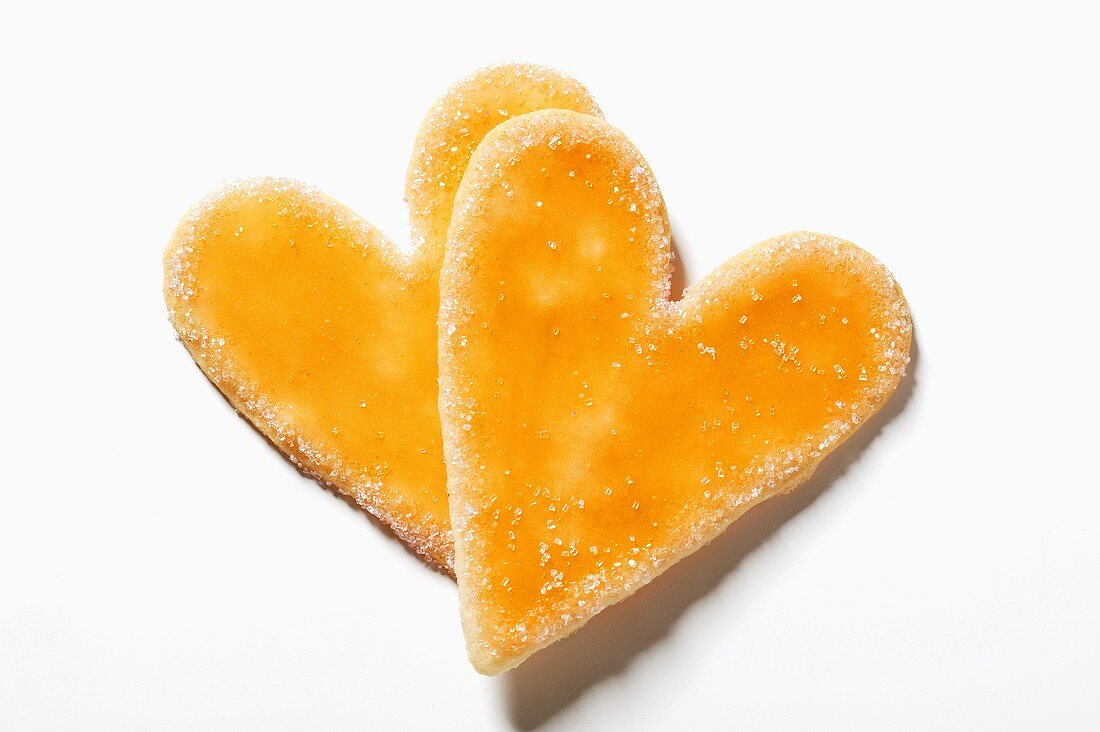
162 567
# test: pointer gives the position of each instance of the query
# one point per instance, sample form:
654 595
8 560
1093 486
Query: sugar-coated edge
431 138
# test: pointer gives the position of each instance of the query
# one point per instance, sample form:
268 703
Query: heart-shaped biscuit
322 333
596 432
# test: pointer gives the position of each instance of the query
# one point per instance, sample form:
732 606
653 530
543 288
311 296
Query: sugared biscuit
322 333
596 432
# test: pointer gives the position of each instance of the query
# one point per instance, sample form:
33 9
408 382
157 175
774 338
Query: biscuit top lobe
455 127
322 333
595 432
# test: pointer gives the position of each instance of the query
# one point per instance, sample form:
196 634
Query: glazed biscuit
595 431
322 333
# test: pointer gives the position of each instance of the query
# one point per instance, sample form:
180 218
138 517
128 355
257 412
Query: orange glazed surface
596 432
322 333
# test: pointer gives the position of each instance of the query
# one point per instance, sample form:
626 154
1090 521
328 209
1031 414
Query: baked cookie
596 432
322 333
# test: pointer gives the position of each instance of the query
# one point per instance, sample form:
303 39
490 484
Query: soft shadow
679 267
555 677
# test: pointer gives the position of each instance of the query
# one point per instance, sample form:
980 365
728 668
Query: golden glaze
595 432
322 333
